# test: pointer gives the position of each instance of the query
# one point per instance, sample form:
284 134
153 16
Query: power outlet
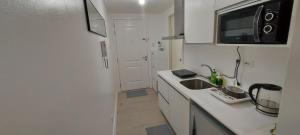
250 64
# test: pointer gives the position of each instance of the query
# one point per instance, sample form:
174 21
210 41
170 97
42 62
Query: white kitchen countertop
240 118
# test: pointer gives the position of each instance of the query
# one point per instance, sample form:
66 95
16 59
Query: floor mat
136 93
164 129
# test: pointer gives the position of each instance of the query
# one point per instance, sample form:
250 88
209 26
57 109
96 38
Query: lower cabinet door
179 111
164 106
204 124
163 88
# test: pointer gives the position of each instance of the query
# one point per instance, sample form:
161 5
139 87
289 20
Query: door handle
145 58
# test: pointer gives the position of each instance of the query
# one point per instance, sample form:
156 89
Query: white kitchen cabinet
163 89
204 124
175 107
164 106
179 112
199 20
163 97
225 3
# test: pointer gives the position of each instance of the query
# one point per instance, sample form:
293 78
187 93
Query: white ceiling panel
132 6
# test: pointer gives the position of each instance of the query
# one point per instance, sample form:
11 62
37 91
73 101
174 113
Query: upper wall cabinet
224 3
199 17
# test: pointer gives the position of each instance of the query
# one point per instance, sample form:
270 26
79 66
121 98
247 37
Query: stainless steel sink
196 84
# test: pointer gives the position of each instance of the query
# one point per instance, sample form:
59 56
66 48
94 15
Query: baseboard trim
115 113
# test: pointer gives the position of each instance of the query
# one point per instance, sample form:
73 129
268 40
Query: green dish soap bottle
219 81
213 77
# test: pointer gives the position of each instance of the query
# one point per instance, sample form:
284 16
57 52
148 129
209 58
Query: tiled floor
138 113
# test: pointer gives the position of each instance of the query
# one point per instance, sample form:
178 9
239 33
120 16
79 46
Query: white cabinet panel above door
199 21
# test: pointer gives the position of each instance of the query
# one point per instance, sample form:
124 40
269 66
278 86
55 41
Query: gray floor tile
136 93
164 129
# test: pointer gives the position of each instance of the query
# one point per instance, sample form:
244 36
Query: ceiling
132 6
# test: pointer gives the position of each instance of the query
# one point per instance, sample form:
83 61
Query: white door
132 54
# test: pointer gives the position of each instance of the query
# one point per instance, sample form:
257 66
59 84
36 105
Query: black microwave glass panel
237 26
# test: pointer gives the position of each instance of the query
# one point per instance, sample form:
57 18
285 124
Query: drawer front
164 106
163 89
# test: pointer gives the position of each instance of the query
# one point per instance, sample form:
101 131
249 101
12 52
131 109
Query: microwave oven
256 22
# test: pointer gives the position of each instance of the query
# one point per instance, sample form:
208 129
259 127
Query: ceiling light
142 2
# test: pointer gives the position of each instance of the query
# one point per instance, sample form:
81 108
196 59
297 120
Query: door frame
171 31
129 18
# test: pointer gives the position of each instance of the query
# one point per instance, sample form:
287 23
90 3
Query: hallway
138 113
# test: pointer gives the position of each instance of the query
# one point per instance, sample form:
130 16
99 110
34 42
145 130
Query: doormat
136 93
164 129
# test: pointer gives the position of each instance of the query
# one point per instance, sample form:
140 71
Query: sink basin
196 84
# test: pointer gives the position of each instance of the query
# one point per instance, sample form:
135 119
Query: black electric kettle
267 98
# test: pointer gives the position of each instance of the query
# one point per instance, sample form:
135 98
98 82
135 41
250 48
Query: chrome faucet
209 67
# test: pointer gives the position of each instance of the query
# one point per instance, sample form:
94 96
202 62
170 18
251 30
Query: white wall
114 63
269 63
52 80
289 119
159 27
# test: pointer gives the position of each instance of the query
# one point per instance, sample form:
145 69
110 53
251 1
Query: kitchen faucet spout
209 67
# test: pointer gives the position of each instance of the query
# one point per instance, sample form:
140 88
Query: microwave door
240 26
